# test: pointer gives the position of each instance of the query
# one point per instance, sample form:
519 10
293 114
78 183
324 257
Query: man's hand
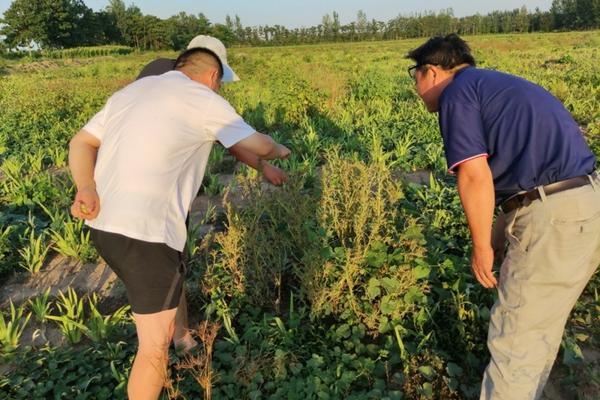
86 204
499 238
282 152
274 175
482 261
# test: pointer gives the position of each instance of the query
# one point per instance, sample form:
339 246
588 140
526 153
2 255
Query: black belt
519 200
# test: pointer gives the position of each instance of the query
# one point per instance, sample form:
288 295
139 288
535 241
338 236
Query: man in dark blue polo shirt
514 145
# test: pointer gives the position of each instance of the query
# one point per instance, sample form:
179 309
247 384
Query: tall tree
335 25
223 33
48 23
327 26
181 29
361 24
240 33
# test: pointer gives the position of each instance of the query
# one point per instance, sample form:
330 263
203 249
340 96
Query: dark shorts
153 273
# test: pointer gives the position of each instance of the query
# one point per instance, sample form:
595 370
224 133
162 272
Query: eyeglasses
412 71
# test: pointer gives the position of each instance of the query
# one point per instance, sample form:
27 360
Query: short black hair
184 57
444 51
157 67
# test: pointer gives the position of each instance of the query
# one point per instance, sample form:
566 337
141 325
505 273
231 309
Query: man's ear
214 75
435 70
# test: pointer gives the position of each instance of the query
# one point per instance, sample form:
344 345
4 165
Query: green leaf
388 305
384 324
572 352
454 369
427 389
414 232
343 331
255 394
414 295
377 254
391 285
373 289
421 271
581 337
427 371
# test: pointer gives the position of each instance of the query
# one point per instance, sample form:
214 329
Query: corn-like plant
212 186
59 156
109 50
215 159
4 241
73 241
12 169
99 327
12 328
402 152
34 253
193 236
71 318
41 306
35 161
69 237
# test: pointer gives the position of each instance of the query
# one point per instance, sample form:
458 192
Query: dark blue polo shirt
529 137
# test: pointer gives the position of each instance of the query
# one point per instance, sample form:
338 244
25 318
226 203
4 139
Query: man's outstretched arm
257 147
262 146
274 175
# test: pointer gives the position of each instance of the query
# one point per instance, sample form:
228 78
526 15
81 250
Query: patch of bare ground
60 274
420 176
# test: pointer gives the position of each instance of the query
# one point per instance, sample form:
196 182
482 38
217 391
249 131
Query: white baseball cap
216 46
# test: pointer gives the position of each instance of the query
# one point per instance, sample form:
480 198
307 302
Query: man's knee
155 332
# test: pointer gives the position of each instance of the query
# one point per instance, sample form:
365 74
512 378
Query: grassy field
351 282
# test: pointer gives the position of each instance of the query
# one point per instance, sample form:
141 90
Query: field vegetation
352 281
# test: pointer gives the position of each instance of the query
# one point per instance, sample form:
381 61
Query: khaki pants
554 249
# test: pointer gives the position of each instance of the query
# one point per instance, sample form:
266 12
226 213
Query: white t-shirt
156 135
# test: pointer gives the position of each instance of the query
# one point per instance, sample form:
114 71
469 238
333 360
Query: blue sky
309 12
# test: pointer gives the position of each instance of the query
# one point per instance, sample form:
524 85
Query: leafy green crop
352 281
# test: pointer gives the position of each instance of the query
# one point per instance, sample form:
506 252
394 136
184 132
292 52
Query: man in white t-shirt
137 165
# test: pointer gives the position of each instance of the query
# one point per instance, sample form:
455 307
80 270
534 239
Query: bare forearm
82 160
477 196
245 157
271 150
260 146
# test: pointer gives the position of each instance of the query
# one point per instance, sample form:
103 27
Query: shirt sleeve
225 125
97 125
462 132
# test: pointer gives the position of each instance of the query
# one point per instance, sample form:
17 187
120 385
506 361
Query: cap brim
229 75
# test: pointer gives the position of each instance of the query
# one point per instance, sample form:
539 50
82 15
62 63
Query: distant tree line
60 24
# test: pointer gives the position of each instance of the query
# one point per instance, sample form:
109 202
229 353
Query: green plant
100 327
69 236
71 318
12 328
318 299
59 156
216 160
73 241
40 306
4 242
212 185
34 253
